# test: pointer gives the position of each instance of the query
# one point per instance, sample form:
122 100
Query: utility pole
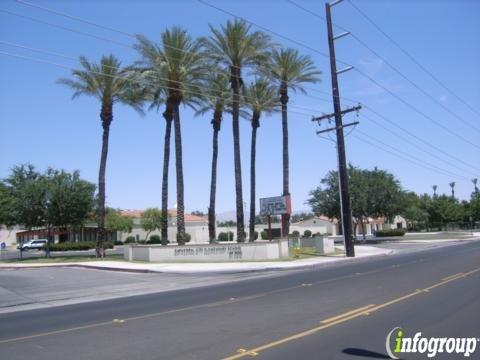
345 206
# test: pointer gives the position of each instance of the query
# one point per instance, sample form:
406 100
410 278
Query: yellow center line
452 276
329 320
345 317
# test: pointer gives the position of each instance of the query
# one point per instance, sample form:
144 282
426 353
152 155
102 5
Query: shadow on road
364 353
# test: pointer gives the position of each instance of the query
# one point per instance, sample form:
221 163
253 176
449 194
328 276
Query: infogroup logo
397 344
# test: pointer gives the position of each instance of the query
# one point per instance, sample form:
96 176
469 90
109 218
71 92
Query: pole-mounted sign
277 205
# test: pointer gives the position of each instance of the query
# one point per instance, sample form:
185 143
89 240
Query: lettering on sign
232 251
276 205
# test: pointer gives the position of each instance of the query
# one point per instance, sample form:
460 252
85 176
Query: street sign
276 205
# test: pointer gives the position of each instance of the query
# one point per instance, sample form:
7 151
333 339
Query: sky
40 123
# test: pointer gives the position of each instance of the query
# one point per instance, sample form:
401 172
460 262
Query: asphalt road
290 316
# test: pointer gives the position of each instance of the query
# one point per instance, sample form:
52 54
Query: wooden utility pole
346 211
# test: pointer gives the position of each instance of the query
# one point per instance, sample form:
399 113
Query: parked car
33 244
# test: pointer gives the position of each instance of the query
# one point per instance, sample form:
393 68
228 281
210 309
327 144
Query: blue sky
40 124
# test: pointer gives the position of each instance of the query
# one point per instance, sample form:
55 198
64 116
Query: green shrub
142 242
264 235
317 234
295 234
307 233
391 232
117 242
225 236
154 239
255 235
130 240
70 246
188 237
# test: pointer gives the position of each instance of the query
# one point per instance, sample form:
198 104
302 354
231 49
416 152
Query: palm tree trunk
235 80
286 168
255 125
106 116
179 171
166 160
217 118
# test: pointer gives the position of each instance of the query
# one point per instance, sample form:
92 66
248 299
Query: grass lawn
62 259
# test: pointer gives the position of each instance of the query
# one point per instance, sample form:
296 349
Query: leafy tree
290 71
53 199
198 213
178 68
151 220
114 221
110 84
7 206
29 195
441 210
260 97
69 199
373 193
234 46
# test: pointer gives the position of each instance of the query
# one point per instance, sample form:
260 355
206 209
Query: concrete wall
8 236
208 253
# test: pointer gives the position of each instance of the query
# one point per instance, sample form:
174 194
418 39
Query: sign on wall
276 205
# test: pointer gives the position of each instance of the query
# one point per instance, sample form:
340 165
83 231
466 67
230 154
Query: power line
460 137
113 41
123 32
407 159
410 156
391 66
120 77
65 28
429 73
419 138
160 78
404 138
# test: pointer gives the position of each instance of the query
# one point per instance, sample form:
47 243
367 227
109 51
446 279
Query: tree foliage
114 221
151 220
52 199
373 193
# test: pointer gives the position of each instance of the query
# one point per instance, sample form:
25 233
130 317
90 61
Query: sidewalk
362 251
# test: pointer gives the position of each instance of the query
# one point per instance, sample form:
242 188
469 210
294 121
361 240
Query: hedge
225 236
392 232
82 245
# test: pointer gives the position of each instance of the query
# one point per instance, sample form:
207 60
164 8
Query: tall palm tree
289 70
177 68
216 100
236 46
452 185
110 84
260 97
434 187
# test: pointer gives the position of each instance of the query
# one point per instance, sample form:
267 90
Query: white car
33 244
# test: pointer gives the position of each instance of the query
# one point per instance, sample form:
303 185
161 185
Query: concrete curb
270 267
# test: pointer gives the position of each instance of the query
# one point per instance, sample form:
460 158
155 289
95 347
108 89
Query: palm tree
235 46
475 181
177 68
110 84
434 187
289 70
452 185
260 97
217 97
